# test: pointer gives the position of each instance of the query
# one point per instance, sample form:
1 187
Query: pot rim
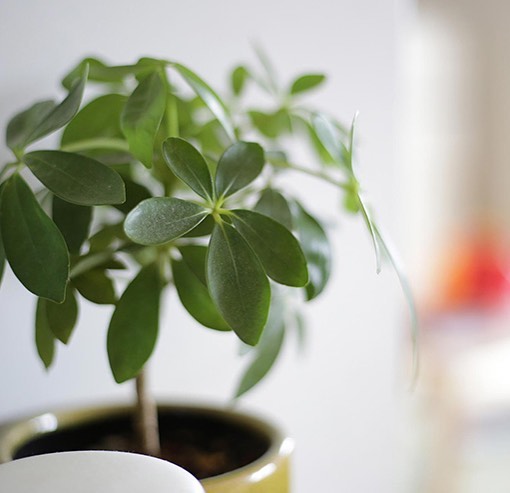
15 433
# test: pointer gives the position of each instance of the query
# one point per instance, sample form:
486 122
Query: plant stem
318 174
146 418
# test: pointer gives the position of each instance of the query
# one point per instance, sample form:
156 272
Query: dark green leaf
99 119
306 83
240 164
23 124
274 245
271 125
73 221
189 165
205 228
142 116
95 286
135 193
161 219
33 244
44 338
275 205
76 178
268 349
133 328
238 79
62 317
316 247
210 99
60 115
237 283
192 289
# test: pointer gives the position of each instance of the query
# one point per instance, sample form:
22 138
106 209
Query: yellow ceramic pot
263 464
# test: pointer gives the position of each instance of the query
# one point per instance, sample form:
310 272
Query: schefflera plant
164 187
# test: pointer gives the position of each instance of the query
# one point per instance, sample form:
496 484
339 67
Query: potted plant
159 177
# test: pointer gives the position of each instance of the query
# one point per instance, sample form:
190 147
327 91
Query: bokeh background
431 81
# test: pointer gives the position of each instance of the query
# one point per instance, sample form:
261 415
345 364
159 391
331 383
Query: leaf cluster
156 174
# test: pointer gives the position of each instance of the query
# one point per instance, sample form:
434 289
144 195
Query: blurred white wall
338 400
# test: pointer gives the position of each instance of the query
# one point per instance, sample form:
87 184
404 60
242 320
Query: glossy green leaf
237 283
73 221
24 124
238 79
306 83
189 165
240 164
60 115
316 247
267 350
161 219
135 193
62 317
34 246
205 228
133 328
210 99
44 338
192 289
95 286
271 125
76 178
100 119
275 246
273 204
142 116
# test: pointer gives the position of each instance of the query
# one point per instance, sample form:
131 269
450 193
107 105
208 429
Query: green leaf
99 72
75 178
367 218
273 204
271 125
267 350
270 81
161 219
44 338
408 294
62 317
142 116
135 193
73 221
133 328
59 115
205 228
23 124
34 246
306 83
210 99
192 289
237 283
106 236
328 136
95 286
316 247
275 246
189 165
238 79
98 119
240 164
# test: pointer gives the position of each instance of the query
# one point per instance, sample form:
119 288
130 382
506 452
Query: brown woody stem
146 418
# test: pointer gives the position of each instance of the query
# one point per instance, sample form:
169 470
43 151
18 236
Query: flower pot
230 452
97 471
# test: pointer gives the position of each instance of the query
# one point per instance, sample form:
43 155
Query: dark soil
206 445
